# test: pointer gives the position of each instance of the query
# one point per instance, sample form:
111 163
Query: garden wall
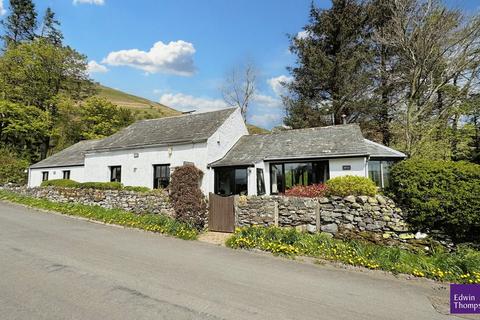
334 215
137 202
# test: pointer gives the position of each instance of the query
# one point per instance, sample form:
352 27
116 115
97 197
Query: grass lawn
150 222
461 266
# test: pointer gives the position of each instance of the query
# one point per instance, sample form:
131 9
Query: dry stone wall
332 215
138 202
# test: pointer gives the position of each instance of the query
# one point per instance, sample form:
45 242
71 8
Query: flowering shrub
311 191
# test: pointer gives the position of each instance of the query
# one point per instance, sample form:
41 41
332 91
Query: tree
239 87
100 118
21 22
331 75
435 48
23 128
51 28
35 73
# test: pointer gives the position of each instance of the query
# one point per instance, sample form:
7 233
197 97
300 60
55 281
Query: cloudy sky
178 51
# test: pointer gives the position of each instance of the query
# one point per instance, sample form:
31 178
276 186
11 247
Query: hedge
351 186
65 183
187 199
443 195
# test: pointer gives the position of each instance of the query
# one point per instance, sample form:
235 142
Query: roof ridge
186 115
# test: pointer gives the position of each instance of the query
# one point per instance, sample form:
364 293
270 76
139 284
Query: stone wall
138 202
333 215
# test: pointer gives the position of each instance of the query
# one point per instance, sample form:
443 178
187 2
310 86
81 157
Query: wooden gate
221 214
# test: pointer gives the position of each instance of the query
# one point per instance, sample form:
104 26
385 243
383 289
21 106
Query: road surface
58 267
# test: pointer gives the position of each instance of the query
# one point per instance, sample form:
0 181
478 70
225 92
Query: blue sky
178 51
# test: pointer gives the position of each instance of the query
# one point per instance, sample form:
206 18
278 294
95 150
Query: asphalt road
57 267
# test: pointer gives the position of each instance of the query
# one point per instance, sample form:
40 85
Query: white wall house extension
218 143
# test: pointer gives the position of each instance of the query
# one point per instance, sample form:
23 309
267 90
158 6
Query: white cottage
218 143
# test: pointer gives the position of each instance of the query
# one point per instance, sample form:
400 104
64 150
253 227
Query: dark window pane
66 174
161 176
374 172
116 174
260 182
298 174
44 175
276 178
241 178
386 165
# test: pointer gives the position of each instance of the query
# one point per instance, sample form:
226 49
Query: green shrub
101 185
442 195
12 168
136 189
150 222
461 266
63 183
187 199
351 186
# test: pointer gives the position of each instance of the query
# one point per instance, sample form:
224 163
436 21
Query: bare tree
238 89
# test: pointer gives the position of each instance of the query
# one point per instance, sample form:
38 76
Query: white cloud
303 34
176 57
95 2
95 67
263 100
276 84
2 8
186 102
267 120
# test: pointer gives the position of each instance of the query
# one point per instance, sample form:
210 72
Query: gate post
317 217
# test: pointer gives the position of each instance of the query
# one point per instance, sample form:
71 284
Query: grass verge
150 222
461 266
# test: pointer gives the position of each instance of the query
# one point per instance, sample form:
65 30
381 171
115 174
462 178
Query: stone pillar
275 213
317 217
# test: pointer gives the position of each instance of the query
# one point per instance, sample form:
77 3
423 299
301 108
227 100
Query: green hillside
146 109
143 108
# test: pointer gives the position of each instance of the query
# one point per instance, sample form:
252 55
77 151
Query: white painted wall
222 141
35 175
358 167
139 171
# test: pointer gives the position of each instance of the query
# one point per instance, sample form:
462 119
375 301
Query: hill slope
143 108
146 109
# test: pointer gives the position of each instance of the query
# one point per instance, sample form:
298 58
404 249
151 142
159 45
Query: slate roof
322 142
188 128
378 150
71 156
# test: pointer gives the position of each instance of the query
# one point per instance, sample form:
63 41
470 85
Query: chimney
344 119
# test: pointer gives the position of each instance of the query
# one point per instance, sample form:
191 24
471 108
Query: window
379 172
44 175
284 176
260 182
66 174
161 176
116 174
230 181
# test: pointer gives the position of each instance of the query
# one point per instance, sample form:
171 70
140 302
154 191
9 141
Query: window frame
283 183
44 176
68 172
155 166
232 180
115 179
381 163
261 190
